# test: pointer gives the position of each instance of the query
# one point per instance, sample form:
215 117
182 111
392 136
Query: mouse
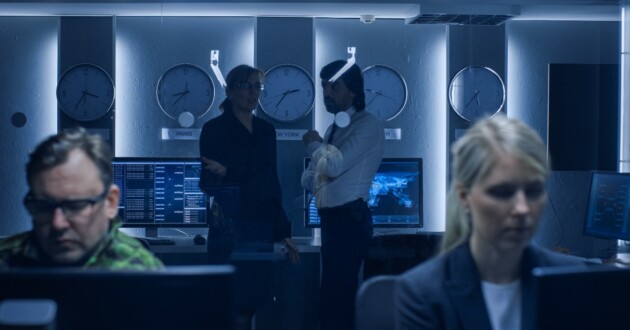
199 239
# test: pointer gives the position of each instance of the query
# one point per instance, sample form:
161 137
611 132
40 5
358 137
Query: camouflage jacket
117 251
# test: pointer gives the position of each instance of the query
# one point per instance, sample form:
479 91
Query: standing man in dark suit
340 174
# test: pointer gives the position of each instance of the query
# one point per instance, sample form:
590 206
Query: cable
555 212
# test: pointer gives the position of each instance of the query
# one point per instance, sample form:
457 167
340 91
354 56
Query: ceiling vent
460 19
465 14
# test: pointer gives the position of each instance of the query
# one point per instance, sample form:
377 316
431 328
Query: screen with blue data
160 192
608 210
395 195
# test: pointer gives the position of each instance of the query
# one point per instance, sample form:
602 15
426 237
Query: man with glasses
73 203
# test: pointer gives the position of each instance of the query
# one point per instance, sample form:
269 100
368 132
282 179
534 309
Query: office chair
375 303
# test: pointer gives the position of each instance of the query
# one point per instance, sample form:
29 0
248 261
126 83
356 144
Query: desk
294 298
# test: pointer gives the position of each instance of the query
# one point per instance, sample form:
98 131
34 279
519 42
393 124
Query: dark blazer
445 292
250 159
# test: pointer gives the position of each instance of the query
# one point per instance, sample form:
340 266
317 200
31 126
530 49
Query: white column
624 112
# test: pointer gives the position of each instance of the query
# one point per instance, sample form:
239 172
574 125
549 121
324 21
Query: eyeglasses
39 208
249 86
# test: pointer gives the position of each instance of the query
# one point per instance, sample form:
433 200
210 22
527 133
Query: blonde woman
482 278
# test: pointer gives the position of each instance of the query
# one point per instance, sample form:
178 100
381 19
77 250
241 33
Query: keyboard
159 241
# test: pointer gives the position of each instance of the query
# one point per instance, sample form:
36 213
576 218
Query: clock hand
285 95
81 98
478 102
282 98
180 97
184 92
387 96
372 99
90 94
472 98
372 91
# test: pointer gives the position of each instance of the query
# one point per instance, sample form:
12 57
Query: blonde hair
474 155
236 76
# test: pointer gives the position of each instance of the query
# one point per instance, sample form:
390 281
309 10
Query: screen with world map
395 196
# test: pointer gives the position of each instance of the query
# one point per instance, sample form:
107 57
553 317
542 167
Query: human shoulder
430 267
14 248
545 257
127 253
368 117
367 122
14 242
421 295
264 124
216 121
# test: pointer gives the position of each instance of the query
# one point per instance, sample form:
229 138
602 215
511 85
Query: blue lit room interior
541 50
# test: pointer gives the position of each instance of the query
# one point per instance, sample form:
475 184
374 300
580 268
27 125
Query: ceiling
597 10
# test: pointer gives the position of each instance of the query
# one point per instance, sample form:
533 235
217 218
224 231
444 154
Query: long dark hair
353 78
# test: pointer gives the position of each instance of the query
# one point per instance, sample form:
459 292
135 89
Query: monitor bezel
196 160
202 295
578 296
420 224
587 231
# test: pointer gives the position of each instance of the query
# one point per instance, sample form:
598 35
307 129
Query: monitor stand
151 237
151 232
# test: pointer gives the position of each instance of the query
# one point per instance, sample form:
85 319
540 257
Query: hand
214 166
291 250
311 136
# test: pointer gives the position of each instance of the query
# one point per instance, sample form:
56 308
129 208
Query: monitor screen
580 297
178 297
160 192
608 208
395 196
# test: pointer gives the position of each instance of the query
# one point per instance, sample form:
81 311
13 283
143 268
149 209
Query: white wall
28 70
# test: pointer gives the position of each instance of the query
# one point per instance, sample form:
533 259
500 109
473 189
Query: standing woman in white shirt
482 279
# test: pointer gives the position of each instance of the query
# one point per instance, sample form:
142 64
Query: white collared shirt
504 304
361 144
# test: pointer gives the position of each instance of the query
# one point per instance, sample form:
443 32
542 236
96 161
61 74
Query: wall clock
385 91
185 89
289 93
476 92
85 92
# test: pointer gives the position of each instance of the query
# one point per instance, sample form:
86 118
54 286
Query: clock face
185 89
289 93
85 92
385 91
476 92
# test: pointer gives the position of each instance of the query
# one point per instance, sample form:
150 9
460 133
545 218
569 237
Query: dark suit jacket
445 292
250 159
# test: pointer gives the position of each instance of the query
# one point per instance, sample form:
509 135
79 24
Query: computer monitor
179 297
160 192
608 208
395 195
580 297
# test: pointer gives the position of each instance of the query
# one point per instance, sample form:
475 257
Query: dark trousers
346 235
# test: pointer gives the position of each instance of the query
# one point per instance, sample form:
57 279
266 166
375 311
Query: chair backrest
375 303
